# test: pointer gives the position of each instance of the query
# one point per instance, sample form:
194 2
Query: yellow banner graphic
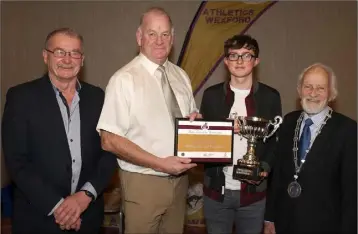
214 23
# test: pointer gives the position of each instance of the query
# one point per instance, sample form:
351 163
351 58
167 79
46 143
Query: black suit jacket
38 157
328 202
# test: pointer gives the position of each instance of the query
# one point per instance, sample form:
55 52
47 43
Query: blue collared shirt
72 123
317 120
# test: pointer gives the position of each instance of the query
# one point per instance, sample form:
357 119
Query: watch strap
89 194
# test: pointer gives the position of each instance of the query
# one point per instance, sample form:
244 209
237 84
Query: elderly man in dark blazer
51 146
314 186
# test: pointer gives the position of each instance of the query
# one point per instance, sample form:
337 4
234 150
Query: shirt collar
78 86
149 65
318 118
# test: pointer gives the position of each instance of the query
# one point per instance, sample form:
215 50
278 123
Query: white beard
311 107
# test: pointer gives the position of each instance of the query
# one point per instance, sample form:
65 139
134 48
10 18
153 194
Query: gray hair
65 31
332 79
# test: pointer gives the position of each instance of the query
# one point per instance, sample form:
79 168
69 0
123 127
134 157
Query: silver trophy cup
253 129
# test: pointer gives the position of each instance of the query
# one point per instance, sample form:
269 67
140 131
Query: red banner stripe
209 127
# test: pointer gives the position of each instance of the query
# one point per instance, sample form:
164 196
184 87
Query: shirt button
73 160
71 140
73 181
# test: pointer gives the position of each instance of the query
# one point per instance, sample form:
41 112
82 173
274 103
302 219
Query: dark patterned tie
305 139
171 101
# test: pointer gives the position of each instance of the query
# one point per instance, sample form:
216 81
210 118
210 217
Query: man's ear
257 61
225 61
45 56
139 36
172 39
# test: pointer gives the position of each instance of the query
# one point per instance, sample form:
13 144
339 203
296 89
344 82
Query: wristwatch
89 194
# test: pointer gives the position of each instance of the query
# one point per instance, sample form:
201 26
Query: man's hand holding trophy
253 129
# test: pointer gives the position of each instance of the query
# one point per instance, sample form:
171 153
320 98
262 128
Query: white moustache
311 100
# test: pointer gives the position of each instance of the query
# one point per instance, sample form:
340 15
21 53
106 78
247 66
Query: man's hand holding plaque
175 165
253 129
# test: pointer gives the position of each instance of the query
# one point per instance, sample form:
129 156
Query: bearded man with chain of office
314 184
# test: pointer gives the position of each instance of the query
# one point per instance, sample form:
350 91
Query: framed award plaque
204 141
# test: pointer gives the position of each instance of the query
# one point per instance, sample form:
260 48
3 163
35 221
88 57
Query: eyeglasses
246 57
318 89
59 53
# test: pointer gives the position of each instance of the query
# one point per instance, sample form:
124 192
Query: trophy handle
276 124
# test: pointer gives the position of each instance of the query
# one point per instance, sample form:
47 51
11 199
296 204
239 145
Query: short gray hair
65 31
332 79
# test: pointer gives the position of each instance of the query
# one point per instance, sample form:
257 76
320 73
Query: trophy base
242 172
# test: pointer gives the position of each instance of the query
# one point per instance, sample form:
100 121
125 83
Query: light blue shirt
72 123
317 120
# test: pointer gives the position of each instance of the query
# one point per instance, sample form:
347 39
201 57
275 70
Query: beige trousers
153 204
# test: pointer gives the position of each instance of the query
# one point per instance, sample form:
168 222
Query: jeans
221 216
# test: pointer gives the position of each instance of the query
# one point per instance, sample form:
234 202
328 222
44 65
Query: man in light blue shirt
52 149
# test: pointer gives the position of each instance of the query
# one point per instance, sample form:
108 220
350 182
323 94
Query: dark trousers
221 216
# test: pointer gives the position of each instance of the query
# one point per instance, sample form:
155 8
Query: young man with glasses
52 149
228 201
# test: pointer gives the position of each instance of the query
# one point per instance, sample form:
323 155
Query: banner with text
214 23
